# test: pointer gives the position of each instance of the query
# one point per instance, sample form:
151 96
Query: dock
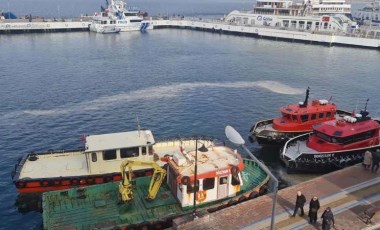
367 38
349 192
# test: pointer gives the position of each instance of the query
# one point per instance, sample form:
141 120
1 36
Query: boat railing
261 124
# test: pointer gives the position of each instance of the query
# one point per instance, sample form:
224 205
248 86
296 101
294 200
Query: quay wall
24 26
215 26
326 38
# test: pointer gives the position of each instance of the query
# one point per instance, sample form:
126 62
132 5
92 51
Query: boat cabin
301 118
217 172
350 132
105 152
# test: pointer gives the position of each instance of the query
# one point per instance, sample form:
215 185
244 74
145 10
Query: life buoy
200 196
185 180
234 170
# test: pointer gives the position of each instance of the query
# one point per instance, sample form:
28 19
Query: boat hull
321 162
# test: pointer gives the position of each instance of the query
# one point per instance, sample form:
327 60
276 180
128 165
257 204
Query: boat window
294 118
150 150
320 116
129 152
328 114
190 187
285 115
323 136
304 118
235 179
135 20
313 116
94 157
143 151
338 133
109 155
363 136
208 183
222 180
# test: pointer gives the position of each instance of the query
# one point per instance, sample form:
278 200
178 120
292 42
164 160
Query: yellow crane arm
125 187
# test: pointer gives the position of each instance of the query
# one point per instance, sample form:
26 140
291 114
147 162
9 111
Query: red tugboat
296 119
333 144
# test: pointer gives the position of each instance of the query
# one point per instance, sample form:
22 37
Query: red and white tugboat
296 119
333 144
97 163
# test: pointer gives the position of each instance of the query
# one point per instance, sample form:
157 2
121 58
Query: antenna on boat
306 98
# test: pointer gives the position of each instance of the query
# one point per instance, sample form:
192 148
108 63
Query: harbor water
56 87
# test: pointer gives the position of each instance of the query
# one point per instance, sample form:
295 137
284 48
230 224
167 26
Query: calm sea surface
56 87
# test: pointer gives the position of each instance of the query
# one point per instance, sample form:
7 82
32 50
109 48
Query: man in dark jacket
300 202
313 210
327 219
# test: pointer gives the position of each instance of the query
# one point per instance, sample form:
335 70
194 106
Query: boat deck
98 206
297 148
55 165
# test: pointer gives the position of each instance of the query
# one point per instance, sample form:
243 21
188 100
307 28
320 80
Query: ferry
96 163
223 178
117 17
312 16
295 119
370 13
332 144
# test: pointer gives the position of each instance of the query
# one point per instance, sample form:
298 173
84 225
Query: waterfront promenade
348 192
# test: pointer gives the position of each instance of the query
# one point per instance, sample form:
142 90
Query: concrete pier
349 192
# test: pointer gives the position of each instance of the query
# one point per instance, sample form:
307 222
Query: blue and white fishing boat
120 18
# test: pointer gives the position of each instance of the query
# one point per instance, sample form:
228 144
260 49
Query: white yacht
284 14
117 17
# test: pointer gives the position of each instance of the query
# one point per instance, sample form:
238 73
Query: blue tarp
9 15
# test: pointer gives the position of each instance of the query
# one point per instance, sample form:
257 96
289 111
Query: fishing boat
313 16
333 144
223 178
117 15
96 163
295 119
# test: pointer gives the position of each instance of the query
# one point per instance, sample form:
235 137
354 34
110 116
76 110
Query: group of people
327 216
371 160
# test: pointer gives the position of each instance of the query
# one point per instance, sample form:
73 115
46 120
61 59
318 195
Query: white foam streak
161 92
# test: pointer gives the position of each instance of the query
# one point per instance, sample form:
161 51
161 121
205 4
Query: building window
109 155
129 152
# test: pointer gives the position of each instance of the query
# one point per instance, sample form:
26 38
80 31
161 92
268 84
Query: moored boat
332 144
295 119
223 179
96 163
116 15
310 16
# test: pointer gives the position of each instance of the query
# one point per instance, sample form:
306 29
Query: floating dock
349 192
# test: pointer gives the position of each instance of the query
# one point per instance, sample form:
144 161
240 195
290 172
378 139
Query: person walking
367 161
327 219
300 202
313 210
375 161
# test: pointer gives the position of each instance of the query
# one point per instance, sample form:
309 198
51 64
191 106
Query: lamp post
236 138
202 149
195 179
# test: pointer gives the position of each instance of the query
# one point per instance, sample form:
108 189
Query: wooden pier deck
348 192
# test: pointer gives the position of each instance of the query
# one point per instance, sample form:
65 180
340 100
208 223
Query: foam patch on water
162 92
